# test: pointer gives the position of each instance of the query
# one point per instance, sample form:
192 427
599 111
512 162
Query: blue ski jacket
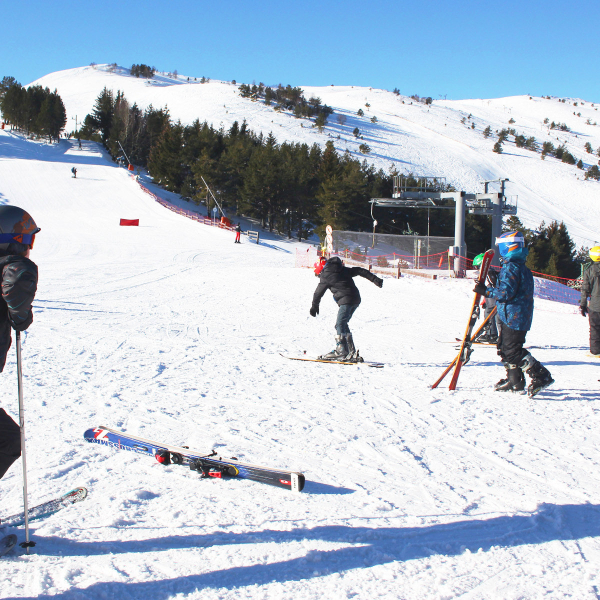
514 291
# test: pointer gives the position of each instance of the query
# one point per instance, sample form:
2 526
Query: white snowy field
172 332
443 140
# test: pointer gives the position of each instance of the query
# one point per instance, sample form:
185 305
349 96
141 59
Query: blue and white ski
207 464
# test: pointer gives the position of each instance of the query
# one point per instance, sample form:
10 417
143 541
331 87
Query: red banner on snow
130 222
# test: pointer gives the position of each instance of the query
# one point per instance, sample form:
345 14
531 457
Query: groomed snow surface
173 332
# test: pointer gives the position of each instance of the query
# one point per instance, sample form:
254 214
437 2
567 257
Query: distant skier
590 288
74 171
514 297
489 335
238 233
338 278
18 282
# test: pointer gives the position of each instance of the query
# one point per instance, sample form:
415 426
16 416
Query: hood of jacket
334 265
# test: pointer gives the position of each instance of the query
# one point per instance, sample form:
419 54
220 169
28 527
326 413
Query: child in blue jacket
513 293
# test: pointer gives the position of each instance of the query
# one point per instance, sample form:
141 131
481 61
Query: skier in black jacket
338 278
590 288
18 284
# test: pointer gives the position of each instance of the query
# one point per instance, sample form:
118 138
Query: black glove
378 282
480 289
493 277
314 311
583 310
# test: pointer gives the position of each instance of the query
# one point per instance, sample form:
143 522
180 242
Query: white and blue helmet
510 241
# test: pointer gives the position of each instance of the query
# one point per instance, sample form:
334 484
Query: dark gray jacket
591 288
338 278
18 283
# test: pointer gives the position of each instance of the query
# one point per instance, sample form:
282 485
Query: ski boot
339 352
352 355
514 382
540 376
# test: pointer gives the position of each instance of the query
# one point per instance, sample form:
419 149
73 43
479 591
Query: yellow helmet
595 253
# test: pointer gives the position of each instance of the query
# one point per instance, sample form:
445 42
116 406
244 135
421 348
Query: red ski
467 342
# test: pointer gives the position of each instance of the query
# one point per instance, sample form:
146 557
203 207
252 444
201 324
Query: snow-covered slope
173 332
407 135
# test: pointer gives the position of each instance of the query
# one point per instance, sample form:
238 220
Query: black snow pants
594 331
510 344
10 442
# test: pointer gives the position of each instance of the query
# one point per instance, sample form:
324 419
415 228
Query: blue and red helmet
509 242
16 226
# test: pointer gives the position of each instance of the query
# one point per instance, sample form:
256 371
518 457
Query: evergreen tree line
288 98
143 71
551 249
114 121
34 110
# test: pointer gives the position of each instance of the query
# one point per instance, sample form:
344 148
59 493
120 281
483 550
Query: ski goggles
20 238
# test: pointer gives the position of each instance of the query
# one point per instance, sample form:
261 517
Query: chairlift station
427 194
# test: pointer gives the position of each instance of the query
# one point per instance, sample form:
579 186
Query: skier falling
513 293
339 279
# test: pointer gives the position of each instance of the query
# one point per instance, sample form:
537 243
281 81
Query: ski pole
26 544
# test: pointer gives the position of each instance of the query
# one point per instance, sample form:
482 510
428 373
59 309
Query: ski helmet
478 259
595 253
16 227
510 241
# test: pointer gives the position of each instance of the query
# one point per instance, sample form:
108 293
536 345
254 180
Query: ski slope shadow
367 547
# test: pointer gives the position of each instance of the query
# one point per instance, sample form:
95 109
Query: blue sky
460 49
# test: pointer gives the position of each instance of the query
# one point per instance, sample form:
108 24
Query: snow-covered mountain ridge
435 140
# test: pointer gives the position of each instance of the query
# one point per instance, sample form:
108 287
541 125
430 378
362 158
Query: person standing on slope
18 283
513 293
339 279
238 232
590 288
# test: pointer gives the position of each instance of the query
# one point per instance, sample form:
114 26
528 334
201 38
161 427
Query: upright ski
47 508
207 464
467 341
465 349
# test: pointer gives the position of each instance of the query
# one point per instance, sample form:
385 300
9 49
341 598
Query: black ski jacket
591 287
18 282
338 278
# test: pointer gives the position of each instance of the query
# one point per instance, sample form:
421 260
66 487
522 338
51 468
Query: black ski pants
10 442
510 344
594 331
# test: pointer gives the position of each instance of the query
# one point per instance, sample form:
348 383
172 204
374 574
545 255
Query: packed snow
171 331
444 139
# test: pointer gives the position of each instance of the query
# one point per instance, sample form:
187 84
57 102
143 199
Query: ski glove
493 277
378 282
583 310
314 311
480 289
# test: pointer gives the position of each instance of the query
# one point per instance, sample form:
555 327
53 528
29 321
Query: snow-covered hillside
425 140
171 331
